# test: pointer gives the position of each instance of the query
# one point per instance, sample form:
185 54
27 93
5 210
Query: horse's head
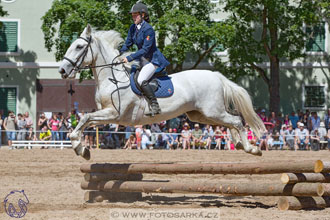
78 55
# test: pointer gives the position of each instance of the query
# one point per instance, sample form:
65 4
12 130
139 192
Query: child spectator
54 124
130 143
185 135
45 134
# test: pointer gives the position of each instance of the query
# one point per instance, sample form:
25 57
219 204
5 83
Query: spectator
217 137
315 120
186 135
42 121
328 137
286 120
55 125
160 142
89 134
272 118
250 135
10 125
315 140
208 136
224 139
21 124
289 137
172 141
138 135
1 124
323 134
45 134
294 119
31 135
263 115
145 138
74 119
327 119
64 125
130 143
302 137
128 132
29 121
174 123
197 136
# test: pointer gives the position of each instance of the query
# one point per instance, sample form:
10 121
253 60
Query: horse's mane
112 40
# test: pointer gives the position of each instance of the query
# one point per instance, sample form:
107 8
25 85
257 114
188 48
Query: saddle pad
165 86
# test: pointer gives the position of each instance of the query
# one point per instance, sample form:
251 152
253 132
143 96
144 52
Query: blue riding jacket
145 40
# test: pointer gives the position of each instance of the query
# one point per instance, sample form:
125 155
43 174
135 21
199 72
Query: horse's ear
87 31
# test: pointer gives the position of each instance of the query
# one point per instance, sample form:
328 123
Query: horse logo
19 198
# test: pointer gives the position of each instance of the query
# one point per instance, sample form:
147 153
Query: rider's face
136 18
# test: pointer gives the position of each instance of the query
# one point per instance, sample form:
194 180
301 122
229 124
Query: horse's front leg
103 116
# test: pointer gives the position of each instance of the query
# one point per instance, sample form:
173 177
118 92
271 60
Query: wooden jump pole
296 203
208 168
96 177
305 177
233 189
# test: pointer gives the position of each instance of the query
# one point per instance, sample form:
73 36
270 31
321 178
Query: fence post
97 137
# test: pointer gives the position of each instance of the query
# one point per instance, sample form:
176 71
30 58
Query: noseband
81 57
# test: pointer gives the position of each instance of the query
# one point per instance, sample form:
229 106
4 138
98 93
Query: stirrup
153 111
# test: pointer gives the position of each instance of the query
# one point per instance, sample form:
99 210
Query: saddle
161 83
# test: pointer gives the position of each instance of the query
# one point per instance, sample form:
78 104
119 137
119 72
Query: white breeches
146 73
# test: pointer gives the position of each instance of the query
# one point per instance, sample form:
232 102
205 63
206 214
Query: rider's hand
125 60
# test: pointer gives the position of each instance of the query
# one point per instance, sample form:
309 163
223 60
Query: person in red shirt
54 124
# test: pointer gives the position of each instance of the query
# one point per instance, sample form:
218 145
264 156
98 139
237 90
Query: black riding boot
150 97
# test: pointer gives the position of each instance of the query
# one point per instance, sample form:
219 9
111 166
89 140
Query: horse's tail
237 97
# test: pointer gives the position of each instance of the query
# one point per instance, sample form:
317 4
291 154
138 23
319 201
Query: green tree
266 31
183 27
2 13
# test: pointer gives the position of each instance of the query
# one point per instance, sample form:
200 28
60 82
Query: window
8 99
316 38
314 97
9 37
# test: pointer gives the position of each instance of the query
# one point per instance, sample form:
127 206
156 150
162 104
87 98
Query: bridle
81 57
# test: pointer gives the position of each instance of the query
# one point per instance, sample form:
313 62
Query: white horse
206 97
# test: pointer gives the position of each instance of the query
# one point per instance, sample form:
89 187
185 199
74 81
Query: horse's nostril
62 71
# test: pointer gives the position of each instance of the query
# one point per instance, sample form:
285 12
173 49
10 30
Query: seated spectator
196 137
302 137
172 141
207 137
31 135
217 137
323 135
130 143
287 121
160 142
186 135
224 139
45 134
289 137
315 140
315 120
138 135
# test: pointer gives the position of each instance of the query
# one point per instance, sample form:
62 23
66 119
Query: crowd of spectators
297 131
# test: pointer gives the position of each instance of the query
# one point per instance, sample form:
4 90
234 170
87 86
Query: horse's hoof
86 154
239 146
256 152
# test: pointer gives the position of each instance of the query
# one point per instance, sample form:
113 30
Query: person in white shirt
302 137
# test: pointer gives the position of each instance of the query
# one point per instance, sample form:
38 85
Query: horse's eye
79 47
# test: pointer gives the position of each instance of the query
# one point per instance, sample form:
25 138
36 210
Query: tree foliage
266 31
2 13
183 26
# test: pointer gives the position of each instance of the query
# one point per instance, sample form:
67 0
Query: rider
143 35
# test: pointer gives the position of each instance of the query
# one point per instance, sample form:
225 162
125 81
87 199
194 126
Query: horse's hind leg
234 122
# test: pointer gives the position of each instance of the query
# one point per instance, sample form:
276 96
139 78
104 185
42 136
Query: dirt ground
51 181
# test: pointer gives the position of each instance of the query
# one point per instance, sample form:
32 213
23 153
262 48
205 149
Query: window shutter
8 36
8 100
